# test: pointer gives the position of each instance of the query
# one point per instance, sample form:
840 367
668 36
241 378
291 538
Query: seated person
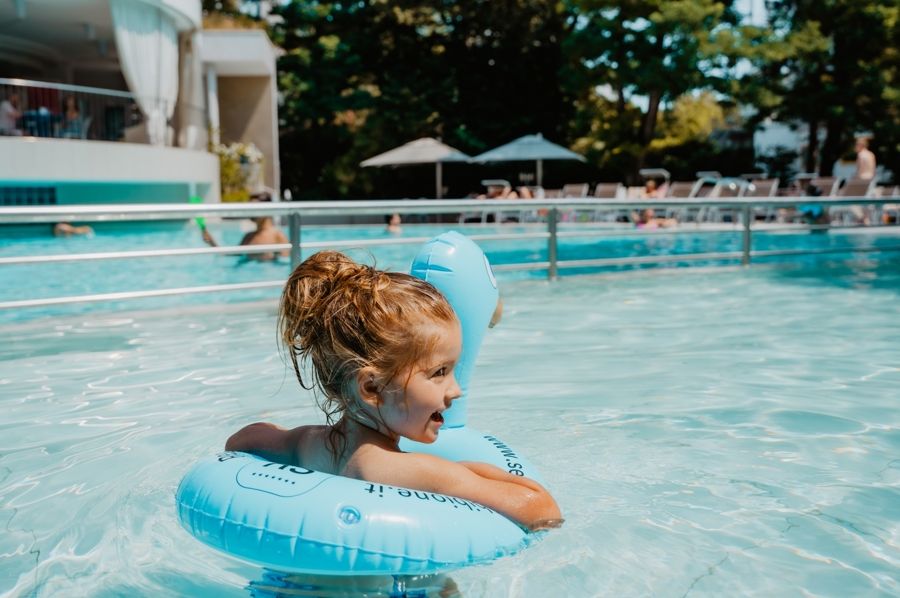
72 123
813 213
647 219
10 115
498 189
651 190
64 229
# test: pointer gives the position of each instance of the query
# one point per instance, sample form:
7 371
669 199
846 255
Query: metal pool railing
744 212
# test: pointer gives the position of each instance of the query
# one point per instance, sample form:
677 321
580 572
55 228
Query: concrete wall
108 172
246 113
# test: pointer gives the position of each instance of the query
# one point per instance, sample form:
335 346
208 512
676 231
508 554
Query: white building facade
115 101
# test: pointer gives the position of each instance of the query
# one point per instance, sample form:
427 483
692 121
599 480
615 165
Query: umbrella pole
438 184
540 173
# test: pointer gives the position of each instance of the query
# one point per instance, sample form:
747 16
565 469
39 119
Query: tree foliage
833 64
625 82
360 78
649 53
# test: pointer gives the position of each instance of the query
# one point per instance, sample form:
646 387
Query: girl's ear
367 387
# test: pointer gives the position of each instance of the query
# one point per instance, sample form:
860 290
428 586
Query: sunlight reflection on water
729 432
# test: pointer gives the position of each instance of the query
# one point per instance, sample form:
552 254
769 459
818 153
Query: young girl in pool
381 347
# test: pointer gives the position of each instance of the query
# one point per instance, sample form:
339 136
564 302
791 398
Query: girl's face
414 401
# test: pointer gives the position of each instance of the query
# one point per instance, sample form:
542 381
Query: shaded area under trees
673 83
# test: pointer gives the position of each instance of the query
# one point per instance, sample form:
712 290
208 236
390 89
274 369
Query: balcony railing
61 111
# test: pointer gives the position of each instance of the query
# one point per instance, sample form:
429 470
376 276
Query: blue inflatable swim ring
295 519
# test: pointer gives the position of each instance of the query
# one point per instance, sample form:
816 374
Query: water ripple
708 434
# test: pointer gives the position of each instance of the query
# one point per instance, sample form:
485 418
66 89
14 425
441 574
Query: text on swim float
512 459
380 489
222 457
453 501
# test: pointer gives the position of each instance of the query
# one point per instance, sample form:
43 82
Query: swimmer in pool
266 233
380 348
64 229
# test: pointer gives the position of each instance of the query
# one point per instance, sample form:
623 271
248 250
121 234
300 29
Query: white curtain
192 115
148 53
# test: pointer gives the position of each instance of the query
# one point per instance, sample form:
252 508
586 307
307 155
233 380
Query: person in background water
380 348
865 160
647 219
393 223
64 229
266 233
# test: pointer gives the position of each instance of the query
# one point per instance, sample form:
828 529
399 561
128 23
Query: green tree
837 68
360 78
231 7
505 60
649 53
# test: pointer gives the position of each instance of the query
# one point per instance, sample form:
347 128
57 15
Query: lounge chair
493 187
858 213
763 188
575 190
681 190
609 191
709 182
724 188
826 186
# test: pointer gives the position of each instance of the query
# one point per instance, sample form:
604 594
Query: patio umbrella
421 151
529 147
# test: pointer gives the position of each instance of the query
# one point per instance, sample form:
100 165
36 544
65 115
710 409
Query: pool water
706 433
33 281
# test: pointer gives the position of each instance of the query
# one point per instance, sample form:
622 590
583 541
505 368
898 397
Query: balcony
114 100
67 144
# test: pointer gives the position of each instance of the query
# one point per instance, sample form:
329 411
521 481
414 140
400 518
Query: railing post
746 241
294 231
552 243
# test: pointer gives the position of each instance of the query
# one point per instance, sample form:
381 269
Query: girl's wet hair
337 317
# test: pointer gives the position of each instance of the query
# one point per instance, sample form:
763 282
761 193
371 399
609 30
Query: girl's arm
268 441
492 472
524 501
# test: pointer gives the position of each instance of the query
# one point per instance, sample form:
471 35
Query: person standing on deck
865 170
865 160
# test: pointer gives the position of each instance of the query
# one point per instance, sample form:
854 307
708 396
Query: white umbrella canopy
426 150
529 147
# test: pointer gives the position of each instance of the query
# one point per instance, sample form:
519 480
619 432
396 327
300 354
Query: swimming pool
706 433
